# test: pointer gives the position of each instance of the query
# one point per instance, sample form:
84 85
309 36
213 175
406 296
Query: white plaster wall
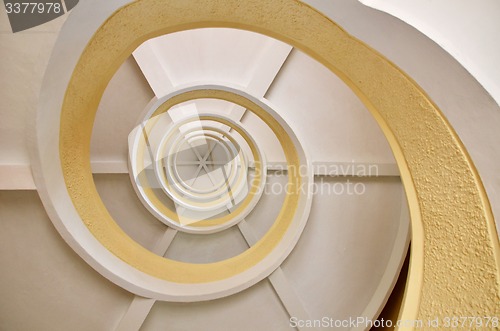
472 112
119 196
468 30
44 285
334 269
122 103
24 56
257 308
327 117
202 55
346 245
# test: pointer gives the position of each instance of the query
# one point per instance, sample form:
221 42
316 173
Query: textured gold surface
104 228
454 269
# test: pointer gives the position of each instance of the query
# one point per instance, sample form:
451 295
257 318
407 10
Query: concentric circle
227 190
229 163
193 213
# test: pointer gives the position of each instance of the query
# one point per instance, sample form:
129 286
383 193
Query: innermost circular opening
203 163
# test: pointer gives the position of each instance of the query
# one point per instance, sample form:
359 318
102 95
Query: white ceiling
468 30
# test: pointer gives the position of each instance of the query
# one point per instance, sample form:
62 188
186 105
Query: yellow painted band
105 229
454 266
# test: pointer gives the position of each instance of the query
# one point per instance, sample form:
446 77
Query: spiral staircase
236 183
